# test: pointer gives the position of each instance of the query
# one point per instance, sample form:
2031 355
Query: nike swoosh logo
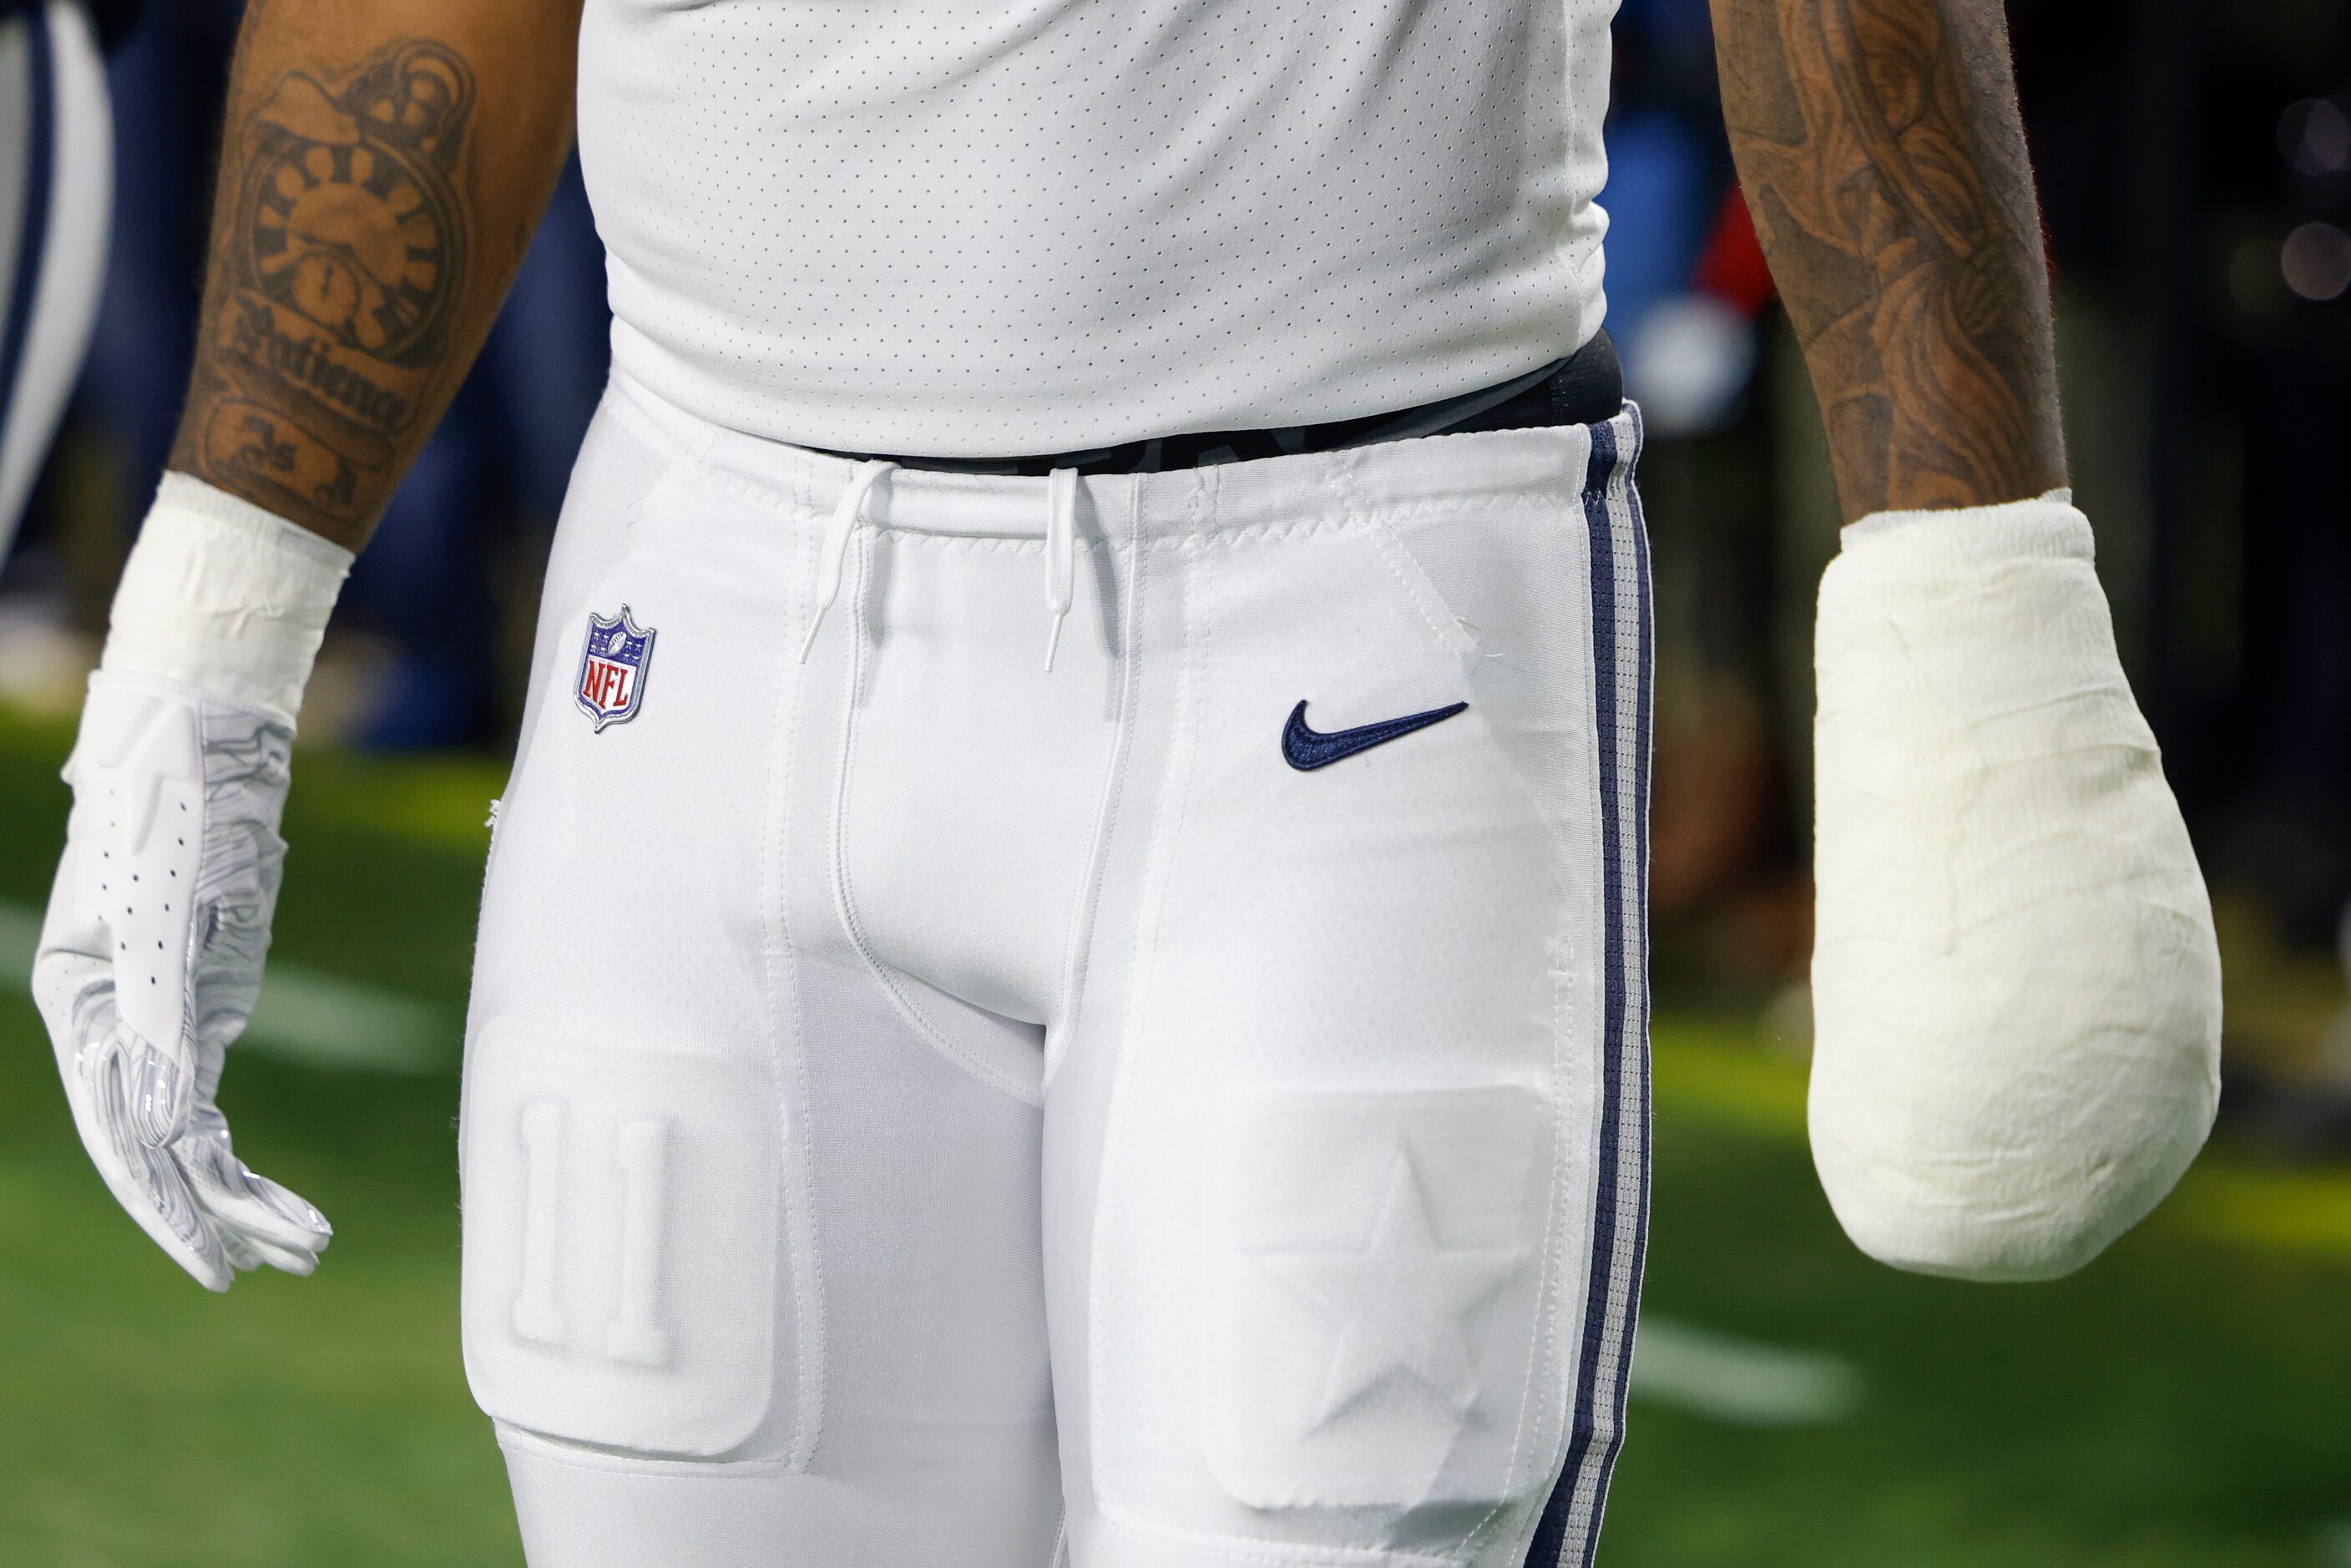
1306 749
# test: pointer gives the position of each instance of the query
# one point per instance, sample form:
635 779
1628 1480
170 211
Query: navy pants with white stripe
1180 1102
57 180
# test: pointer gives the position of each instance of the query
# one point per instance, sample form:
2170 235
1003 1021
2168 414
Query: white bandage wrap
224 596
2015 986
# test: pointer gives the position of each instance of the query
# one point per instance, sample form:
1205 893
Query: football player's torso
968 228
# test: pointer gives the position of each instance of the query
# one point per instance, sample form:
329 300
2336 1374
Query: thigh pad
621 1240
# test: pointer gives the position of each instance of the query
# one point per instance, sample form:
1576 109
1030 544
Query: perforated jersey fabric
958 229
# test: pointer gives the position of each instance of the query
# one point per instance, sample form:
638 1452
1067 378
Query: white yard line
1738 1381
304 1016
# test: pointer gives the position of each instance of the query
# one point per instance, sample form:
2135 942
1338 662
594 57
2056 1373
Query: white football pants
924 1109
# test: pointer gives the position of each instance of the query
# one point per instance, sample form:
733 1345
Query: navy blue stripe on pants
1568 1534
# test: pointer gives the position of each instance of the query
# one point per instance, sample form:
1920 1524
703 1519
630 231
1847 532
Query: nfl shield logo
612 668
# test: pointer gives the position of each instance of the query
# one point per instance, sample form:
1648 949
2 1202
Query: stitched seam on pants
982 544
1082 918
1272 533
808 1262
1167 832
844 902
535 1447
1411 581
665 447
1462 505
1439 618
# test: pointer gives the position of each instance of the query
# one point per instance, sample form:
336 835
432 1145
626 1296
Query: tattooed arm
383 165
1883 157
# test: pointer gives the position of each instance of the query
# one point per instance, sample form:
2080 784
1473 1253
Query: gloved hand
150 958
2015 986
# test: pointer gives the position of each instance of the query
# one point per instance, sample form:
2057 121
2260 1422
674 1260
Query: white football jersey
956 228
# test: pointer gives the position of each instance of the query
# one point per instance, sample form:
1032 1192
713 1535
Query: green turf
2183 1403
312 1422
2180 1402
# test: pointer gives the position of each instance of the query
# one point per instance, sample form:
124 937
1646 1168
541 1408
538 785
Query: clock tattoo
339 271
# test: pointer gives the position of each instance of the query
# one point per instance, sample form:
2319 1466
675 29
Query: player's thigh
750 1274
1365 1227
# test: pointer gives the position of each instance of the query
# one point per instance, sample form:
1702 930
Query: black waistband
1586 388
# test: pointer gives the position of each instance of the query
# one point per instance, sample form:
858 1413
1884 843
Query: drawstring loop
1060 550
1060 553
845 515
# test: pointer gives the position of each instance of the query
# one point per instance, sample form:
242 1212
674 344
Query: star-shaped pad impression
1400 1303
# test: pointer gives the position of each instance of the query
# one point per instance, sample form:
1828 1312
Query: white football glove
2015 986
149 960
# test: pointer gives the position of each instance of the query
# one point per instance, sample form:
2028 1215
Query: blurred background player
56 163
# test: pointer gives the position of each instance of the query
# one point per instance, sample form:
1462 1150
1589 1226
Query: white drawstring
845 514
1060 553
1060 550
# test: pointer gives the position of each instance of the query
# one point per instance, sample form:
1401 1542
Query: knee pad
621 1281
